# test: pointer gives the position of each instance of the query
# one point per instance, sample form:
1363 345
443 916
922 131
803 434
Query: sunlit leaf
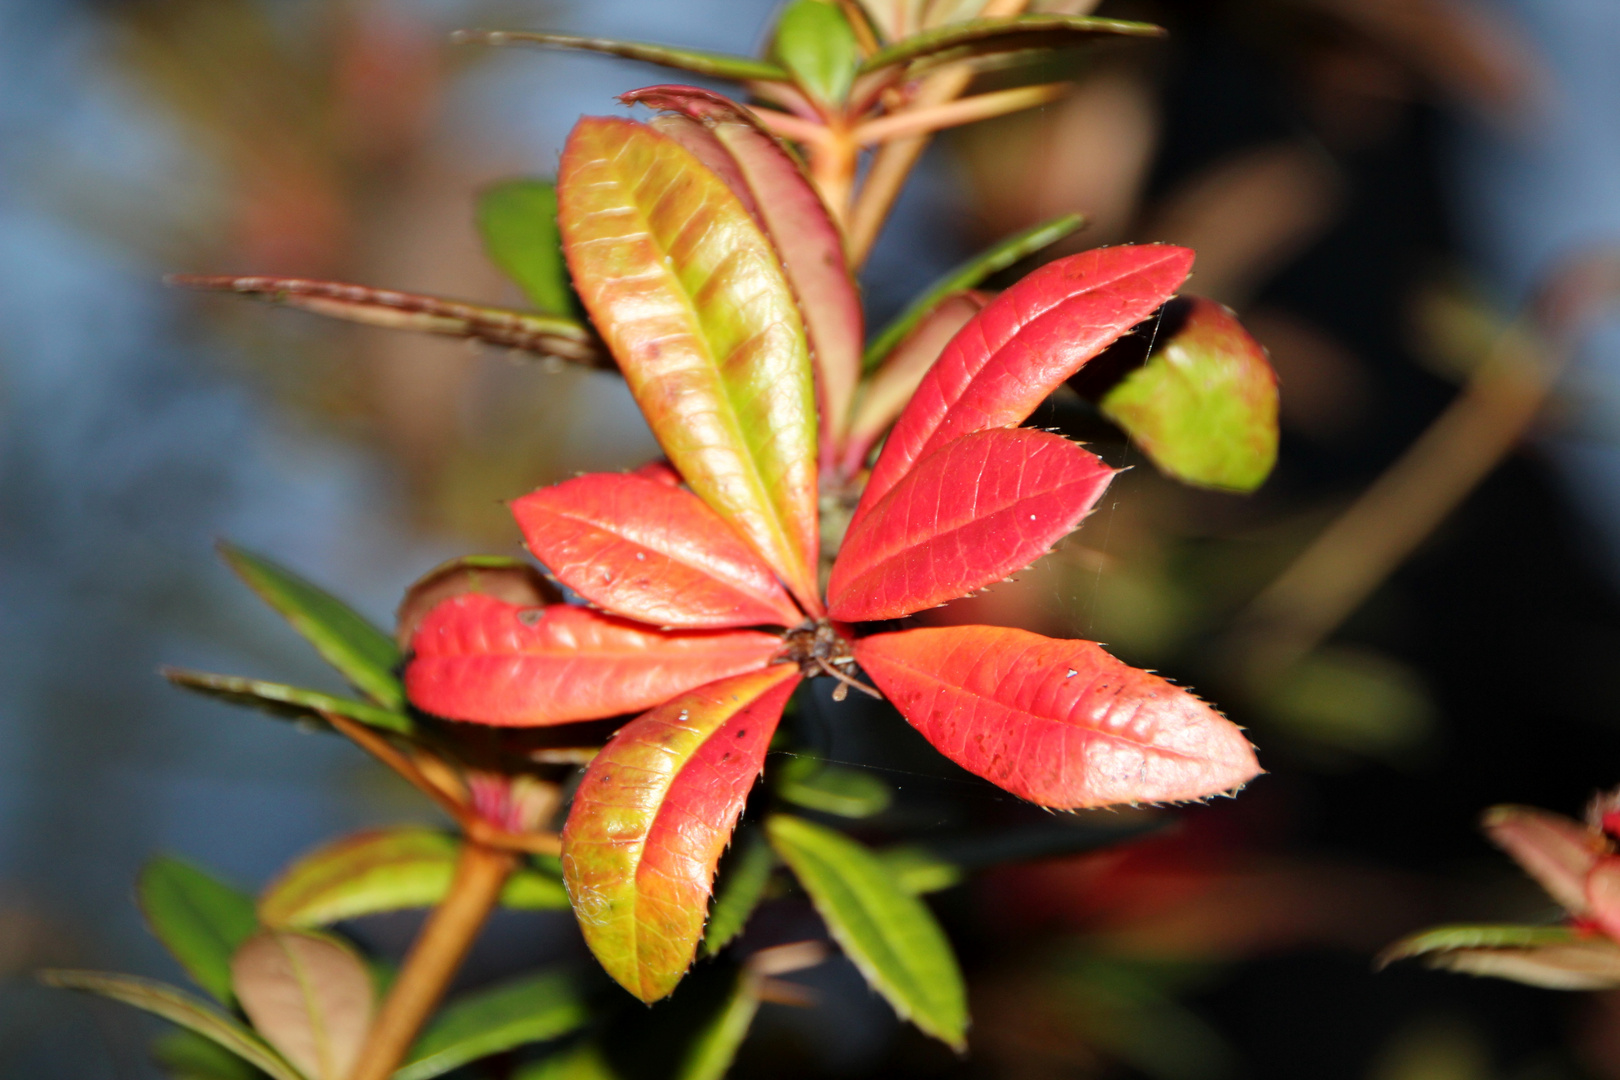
477 658
650 552
1551 848
887 932
970 275
200 919
714 1045
809 782
309 995
967 515
1023 345
518 221
385 870
530 1009
980 37
1553 957
185 1055
787 206
744 873
292 702
717 65
544 335
816 44
181 1008
1204 406
502 577
652 816
689 294
1060 723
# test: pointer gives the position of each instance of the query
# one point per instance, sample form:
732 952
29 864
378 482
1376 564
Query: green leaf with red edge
885 394
518 222
792 214
1556 851
1060 723
652 816
690 296
525 331
1204 406
982 37
1024 344
481 659
967 515
1552 957
651 552
716 65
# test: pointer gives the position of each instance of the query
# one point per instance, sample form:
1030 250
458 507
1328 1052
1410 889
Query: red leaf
1558 852
660 470
479 659
1060 723
1603 896
1024 344
653 814
967 515
650 552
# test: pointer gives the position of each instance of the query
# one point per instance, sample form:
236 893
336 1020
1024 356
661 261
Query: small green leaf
583 1061
199 919
815 42
309 995
518 221
890 935
715 1045
185 1055
365 655
291 702
177 1007
1204 405
983 37
918 870
531 1009
1483 936
743 875
1552 957
968 276
809 782
717 65
386 870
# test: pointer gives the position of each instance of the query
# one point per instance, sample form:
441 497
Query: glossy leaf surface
981 37
816 45
309 995
1554 850
717 65
1204 406
652 816
385 870
513 580
690 296
518 222
291 702
201 920
811 246
1060 723
525 331
1552 957
480 659
650 552
744 873
513 1014
966 516
970 275
888 933
181 1008
1024 344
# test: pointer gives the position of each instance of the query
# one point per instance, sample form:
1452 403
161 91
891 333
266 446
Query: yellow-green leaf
816 44
530 1009
982 37
199 919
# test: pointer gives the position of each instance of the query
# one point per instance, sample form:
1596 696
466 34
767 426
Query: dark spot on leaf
741 732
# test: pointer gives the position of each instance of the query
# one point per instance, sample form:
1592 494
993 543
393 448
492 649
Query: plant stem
481 873
832 167
963 111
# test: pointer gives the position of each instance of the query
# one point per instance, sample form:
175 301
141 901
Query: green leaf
809 782
292 702
177 1007
967 276
1552 957
815 42
531 1009
1477 936
365 655
583 1061
199 919
518 221
1204 405
983 37
918 870
716 65
386 870
715 1045
744 873
890 935
185 1055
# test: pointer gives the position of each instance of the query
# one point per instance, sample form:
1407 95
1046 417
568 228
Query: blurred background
1414 204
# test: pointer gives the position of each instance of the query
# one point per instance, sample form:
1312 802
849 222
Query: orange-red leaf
967 515
652 816
1024 344
481 659
1060 723
650 552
